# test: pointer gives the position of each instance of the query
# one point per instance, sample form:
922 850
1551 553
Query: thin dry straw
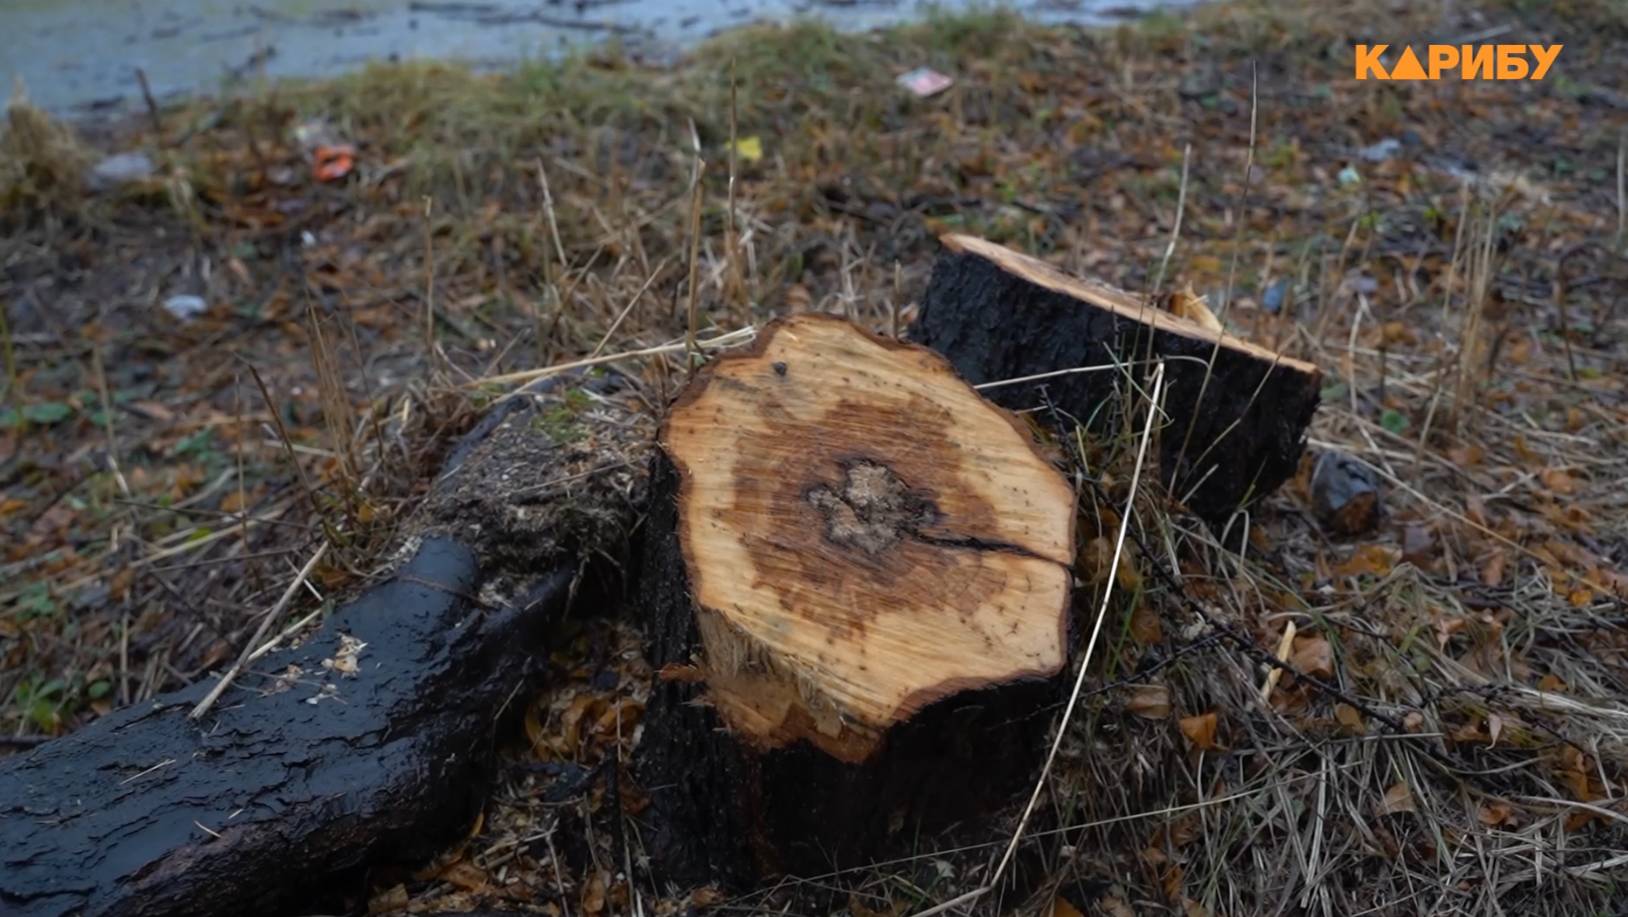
259 634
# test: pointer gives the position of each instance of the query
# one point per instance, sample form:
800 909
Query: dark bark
302 778
723 811
1247 421
286 782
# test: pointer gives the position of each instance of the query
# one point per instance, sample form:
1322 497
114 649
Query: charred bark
299 775
369 745
1237 412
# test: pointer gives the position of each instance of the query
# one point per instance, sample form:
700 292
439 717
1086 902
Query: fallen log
1237 412
856 580
369 744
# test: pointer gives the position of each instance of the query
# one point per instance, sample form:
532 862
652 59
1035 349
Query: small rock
185 306
121 169
1349 176
1344 494
1419 546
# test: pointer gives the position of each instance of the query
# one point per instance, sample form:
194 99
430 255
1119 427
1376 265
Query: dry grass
1467 750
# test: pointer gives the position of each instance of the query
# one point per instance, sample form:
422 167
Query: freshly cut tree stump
1237 412
858 580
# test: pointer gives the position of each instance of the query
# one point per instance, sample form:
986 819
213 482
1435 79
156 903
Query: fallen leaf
392 899
1313 656
593 894
1558 481
1373 559
466 875
1145 628
749 148
1495 813
706 896
1151 701
1397 799
1062 907
1551 683
1466 456
1350 718
1200 730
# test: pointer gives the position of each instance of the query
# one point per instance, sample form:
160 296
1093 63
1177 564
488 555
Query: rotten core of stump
863 535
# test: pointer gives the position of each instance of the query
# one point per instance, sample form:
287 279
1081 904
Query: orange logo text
1468 62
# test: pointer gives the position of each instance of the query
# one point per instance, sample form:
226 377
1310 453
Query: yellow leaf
1200 730
749 148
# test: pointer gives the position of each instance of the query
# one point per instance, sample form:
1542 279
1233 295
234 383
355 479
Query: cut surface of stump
1237 412
859 537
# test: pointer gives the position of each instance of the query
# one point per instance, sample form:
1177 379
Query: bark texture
299 774
370 744
1237 412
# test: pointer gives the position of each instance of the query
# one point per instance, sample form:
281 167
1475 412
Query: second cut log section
1237 412
858 580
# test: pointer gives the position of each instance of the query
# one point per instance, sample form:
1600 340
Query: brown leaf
1200 730
1313 656
1552 684
1558 481
1151 701
1466 456
1492 572
593 894
1399 798
1145 628
466 875
390 900
1062 907
1350 718
706 896
1496 812
1111 906
1373 559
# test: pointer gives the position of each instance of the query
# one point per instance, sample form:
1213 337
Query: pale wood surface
864 534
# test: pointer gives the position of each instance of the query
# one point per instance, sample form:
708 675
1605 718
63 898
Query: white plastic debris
925 81
1381 151
185 306
121 169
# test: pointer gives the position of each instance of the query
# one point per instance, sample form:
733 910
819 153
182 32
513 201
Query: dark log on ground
857 579
1238 412
369 744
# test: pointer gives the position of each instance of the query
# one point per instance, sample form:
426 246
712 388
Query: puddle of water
83 54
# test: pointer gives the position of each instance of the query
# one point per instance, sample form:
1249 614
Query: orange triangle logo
1407 67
